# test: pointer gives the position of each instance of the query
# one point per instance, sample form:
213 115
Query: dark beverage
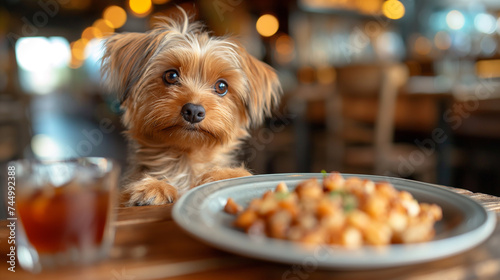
57 219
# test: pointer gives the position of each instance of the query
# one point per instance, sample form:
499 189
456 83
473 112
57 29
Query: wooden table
149 245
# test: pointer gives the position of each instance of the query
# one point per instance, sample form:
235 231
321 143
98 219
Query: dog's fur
169 155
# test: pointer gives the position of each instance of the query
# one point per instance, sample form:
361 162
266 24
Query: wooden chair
360 124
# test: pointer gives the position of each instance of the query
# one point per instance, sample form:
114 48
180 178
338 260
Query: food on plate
350 212
232 207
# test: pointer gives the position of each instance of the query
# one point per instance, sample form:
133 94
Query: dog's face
180 87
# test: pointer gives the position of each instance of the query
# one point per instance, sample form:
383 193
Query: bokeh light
93 55
462 43
115 15
104 26
94 50
38 54
40 60
60 52
40 82
393 9
31 53
368 6
90 33
45 147
488 68
423 46
485 23
267 25
390 46
75 63
455 20
284 45
78 49
442 40
488 46
140 8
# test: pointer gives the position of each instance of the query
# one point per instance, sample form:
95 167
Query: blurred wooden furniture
149 245
469 115
368 146
480 117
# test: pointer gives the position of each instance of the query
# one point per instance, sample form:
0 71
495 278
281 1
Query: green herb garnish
337 193
281 195
349 202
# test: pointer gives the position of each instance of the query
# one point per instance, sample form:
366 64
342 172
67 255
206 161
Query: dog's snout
193 113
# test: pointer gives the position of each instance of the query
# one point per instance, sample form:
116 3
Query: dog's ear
264 88
124 60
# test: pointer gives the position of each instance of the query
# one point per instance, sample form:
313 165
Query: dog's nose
193 113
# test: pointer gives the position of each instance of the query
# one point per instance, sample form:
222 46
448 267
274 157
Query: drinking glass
64 210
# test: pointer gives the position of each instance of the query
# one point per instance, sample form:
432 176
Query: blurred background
399 88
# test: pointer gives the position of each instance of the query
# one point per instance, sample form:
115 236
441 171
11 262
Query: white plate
465 224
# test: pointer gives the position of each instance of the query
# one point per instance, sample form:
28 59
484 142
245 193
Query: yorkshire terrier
189 100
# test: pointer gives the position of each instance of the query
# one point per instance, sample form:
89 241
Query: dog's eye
221 87
171 77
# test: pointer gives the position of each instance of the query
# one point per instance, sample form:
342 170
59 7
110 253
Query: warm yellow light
267 25
75 63
115 15
369 6
284 45
78 49
488 68
393 9
90 33
140 7
104 26
159 2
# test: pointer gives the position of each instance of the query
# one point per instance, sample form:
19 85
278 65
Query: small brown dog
189 100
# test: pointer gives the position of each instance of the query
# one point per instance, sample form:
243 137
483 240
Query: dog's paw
150 191
222 174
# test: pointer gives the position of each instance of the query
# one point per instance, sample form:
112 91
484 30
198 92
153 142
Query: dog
189 100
